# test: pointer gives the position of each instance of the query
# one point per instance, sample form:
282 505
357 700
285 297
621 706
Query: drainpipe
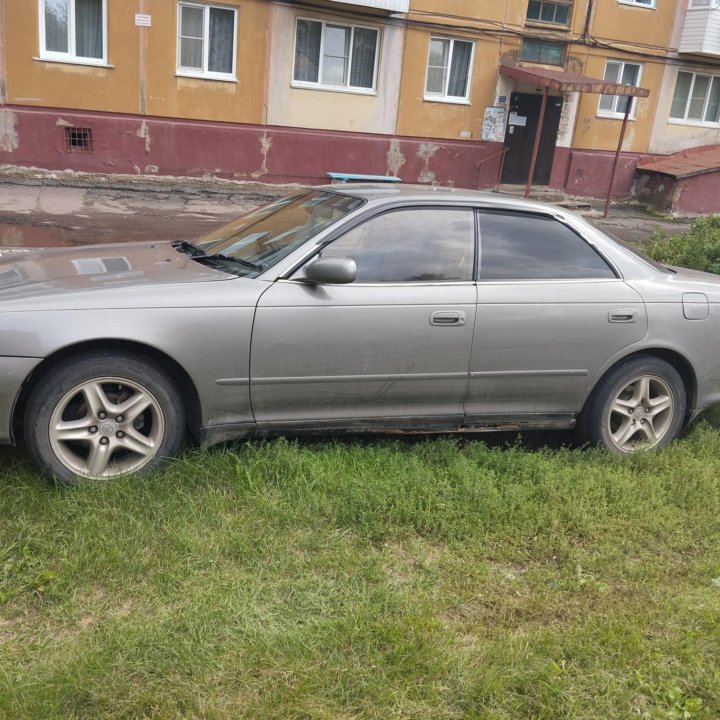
588 17
3 74
142 79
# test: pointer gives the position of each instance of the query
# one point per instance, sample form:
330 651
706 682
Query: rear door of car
551 312
392 348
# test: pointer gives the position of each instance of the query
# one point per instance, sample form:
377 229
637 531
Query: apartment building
447 91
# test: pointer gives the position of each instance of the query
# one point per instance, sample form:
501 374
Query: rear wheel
639 405
100 416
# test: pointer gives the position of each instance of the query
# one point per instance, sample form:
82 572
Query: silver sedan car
351 308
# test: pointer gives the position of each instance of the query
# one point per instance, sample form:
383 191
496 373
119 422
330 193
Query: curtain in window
89 29
222 32
191 37
437 66
713 107
307 51
697 98
460 69
682 93
56 25
364 50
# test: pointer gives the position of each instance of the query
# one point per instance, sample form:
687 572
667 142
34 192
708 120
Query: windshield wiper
188 248
197 253
240 261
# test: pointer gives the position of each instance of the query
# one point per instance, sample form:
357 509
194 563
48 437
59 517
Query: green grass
433 579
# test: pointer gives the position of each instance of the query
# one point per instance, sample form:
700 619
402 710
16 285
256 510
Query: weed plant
433 579
698 248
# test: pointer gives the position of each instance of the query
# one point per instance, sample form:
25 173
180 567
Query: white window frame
203 72
694 121
70 56
320 85
614 113
444 97
647 4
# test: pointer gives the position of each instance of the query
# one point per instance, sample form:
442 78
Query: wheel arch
177 374
672 357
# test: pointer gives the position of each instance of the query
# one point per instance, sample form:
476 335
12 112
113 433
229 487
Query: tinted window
412 245
515 246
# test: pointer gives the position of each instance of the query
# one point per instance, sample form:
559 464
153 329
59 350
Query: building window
335 56
206 41
73 31
696 98
626 74
557 13
448 71
539 51
640 3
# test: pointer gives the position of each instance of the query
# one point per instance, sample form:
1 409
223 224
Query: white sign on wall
143 20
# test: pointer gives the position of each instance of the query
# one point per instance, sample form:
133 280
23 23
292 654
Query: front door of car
393 347
551 313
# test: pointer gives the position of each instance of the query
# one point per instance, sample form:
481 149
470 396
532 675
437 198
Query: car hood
98 267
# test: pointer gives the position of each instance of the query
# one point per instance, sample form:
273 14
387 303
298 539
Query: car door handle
622 315
447 318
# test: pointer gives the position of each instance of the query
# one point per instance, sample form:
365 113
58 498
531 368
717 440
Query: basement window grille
78 139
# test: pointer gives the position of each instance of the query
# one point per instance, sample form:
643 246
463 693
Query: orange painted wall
53 84
200 99
426 118
600 133
120 87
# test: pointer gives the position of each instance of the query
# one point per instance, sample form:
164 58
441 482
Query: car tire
102 415
639 405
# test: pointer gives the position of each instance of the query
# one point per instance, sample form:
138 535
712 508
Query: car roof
379 192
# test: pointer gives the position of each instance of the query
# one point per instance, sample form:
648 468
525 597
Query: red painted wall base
163 146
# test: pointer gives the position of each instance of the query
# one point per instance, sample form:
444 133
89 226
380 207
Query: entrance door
520 138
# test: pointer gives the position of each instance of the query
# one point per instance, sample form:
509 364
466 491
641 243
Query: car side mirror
331 271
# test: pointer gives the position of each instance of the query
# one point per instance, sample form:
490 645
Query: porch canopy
572 82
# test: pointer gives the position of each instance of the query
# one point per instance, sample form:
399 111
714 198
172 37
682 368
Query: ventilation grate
78 139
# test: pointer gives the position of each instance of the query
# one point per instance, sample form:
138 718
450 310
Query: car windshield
266 235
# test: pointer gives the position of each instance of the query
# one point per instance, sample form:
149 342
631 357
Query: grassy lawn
432 579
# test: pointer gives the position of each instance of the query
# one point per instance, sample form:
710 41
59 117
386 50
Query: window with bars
541 51
73 31
696 98
624 73
557 12
449 69
335 56
78 139
206 41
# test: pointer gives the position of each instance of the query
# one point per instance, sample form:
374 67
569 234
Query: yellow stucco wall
601 133
52 84
203 99
428 118
492 10
125 87
616 21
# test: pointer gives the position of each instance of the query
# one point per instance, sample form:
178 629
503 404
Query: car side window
524 246
411 245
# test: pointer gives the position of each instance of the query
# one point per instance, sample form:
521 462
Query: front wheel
638 405
100 416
